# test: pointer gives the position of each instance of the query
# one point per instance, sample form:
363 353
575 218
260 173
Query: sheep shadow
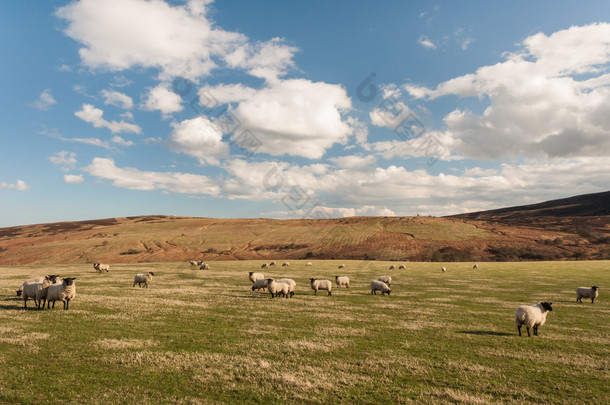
484 333
11 304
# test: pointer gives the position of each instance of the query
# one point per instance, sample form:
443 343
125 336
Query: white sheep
392 267
342 280
30 290
64 291
377 285
255 276
272 264
259 284
192 262
341 266
586 292
443 269
385 279
264 266
321 285
30 280
532 316
308 264
292 285
401 267
99 267
41 294
143 278
475 266
285 264
276 288
204 266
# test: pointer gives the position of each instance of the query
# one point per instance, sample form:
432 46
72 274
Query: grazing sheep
308 264
444 269
30 290
341 266
199 262
204 266
392 267
292 285
475 266
264 266
385 279
41 294
255 276
276 288
192 262
39 279
259 284
532 316
64 291
143 278
272 264
401 267
99 267
285 264
586 292
342 280
321 285
377 285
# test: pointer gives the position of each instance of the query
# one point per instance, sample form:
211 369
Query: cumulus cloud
94 116
120 141
162 99
539 102
117 99
134 179
199 138
294 117
19 186
45 101
65 159
425 41
74 178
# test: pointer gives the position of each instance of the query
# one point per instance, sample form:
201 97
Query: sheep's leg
528 331
519 329
53 304
330 292
25 303
535 330
315 292
592 299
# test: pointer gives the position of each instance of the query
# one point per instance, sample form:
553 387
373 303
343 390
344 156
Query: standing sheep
475 266
39 279
292 285
285 264
342 280
276 288
64 291
392 267
259 284
321 285
308 264
401 267
143 278
255 276
30 290
204 266
41 294
532 316
100 267
192 262
586 292
341 266
385 279
272 264
443 269
264 266
377 285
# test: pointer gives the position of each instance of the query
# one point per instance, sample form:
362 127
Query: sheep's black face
151 273
69 280
547 306
311 280
251 273
19 293
594 288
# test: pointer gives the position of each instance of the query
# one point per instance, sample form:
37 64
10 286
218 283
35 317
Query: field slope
198 337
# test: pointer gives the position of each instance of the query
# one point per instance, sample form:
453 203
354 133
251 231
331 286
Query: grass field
199 337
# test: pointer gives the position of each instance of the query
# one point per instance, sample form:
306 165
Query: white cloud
268 60
63 158
134 179
354 161
331 212
425 41
45 101
19 186
128 115
117 99
200 138
74 178
162 99
94 116
289 117
120 141
87 141
538 103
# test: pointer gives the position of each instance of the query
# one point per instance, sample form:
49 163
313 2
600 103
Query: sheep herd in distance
47 289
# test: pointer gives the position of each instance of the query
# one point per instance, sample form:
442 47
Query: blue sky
299 109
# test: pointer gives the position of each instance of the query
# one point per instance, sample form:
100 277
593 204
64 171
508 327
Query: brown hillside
167 238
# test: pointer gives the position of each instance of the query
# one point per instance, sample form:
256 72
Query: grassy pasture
199 337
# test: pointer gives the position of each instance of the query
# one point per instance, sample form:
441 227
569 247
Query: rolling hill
511 234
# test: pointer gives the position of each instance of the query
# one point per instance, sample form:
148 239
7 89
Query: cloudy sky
299 109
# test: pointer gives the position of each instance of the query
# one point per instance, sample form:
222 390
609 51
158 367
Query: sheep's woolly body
29 281
259 284
255 276
204 266
143 278
587 292
276 288
64 291
401 267
392 267
29 291
292 285
41 294
385 279
532 316
101 267
321 285
342 280
308 264
377 285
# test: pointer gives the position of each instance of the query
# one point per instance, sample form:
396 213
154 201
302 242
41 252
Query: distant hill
597 204
567 229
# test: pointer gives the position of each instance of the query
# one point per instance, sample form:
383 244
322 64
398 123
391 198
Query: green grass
198 337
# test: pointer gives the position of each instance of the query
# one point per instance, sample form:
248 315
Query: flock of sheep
50 288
